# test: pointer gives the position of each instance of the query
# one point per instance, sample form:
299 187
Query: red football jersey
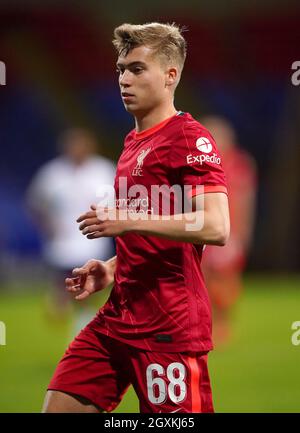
159 301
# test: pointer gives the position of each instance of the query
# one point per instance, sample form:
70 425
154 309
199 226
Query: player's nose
125 79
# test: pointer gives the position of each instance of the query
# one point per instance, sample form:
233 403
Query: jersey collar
155 128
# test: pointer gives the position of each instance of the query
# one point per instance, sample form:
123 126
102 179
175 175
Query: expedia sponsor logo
201 159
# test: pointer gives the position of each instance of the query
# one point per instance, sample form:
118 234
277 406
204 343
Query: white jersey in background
61 191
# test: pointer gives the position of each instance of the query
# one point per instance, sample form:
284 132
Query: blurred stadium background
60 68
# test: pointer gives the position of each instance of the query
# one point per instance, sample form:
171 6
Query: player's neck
148 120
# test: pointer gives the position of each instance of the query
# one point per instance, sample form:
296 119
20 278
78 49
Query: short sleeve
196 160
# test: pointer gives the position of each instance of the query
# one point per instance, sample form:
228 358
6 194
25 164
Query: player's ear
171 76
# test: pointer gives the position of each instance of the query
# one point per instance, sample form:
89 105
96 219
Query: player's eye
138 70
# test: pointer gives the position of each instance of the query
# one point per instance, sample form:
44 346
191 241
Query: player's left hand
103 222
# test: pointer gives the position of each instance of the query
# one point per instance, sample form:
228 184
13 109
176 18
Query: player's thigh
172 382
94 369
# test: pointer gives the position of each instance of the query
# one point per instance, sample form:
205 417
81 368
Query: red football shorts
100 369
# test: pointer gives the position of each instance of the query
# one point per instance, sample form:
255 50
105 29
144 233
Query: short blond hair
166 40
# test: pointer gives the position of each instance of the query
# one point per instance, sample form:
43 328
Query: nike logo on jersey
172 411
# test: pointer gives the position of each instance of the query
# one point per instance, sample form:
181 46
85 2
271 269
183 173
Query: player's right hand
95 275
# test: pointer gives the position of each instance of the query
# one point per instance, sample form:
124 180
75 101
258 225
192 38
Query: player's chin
131 107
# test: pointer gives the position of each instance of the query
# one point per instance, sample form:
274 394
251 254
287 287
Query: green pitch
257 372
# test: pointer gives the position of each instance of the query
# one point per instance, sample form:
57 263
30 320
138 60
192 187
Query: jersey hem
162 347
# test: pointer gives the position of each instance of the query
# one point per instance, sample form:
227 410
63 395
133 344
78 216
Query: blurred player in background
60 190
154 332
223 268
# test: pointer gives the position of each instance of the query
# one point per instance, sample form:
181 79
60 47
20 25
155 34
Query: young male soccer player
154 332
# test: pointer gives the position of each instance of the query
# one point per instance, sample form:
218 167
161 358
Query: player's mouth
127 97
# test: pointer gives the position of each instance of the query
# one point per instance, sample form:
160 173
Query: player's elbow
221 226
221 237
216 230
222 232
219 234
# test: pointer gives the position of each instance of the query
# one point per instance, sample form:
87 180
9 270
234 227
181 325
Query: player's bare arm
213 218
92 277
